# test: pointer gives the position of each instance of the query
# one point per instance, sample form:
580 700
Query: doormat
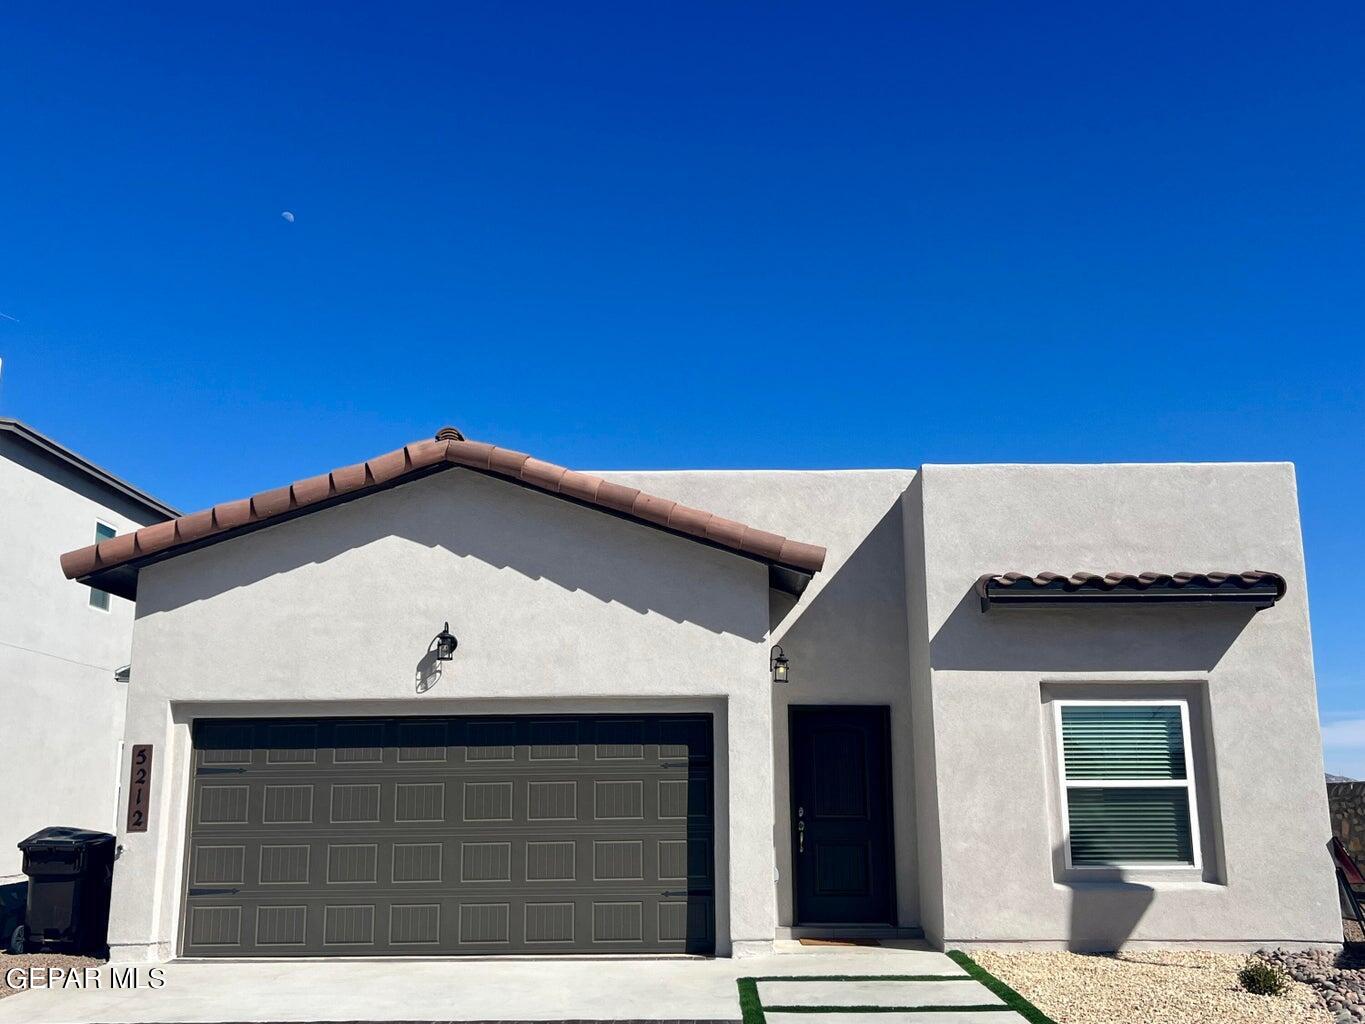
840 942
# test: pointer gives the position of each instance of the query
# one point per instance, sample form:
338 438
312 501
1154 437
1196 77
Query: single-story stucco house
456 699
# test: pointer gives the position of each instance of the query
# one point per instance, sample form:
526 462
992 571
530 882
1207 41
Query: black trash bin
69 873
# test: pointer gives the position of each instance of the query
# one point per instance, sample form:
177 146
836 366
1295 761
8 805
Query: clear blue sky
664 235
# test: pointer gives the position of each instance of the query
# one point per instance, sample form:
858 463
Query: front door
841 815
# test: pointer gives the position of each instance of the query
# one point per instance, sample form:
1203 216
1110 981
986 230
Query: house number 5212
140 788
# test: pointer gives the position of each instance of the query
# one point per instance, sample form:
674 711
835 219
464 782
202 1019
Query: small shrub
1262 979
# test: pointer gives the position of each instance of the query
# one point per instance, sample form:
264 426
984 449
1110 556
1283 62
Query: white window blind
1128 787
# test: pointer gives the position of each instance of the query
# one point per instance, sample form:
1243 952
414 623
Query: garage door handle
200 890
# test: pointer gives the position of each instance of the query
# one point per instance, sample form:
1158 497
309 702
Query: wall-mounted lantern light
779 664
444 644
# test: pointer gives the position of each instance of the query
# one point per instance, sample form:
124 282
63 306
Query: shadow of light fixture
778 663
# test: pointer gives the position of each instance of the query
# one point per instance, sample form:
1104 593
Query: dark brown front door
841 815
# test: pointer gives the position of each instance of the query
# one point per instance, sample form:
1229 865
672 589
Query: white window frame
1187 783
109 607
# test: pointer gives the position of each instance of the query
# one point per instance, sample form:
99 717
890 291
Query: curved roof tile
1251 586
449 448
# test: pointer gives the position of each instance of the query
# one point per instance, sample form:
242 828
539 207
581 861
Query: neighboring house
616 758
61 708
1346 804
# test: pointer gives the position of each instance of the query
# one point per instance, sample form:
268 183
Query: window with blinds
1127 784
99 598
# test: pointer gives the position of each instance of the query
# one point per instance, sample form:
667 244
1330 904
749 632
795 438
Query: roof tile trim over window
1212 585
449 447
1135 581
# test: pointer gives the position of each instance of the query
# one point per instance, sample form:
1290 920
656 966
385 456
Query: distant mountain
1338 778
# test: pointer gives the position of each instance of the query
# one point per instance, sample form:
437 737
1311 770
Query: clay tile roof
1257 588
112 565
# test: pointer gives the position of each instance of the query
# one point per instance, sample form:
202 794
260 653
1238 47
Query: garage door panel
283 744
579 833
593 862
471 802
380 923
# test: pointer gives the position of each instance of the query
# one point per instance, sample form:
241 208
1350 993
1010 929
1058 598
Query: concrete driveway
450 990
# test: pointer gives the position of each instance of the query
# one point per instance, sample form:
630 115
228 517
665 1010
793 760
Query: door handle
800 837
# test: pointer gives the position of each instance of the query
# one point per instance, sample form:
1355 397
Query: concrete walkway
483 990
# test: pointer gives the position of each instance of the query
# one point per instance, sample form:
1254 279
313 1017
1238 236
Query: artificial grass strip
887 1009
750 1006
867 977
1013 1000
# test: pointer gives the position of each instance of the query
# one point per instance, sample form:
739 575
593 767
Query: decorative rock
1151 986
1338 978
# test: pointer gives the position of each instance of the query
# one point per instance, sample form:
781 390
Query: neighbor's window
1127 784
99 598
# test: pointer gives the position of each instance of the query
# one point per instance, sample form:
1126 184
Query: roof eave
83 465
121 579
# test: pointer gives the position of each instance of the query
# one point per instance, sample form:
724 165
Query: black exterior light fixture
779 664
444 644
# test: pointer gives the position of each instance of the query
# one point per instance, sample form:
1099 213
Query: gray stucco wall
563 608
1250 678
61 713
330 613
552 603
929 839
847 637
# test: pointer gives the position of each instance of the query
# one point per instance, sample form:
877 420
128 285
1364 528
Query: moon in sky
288 216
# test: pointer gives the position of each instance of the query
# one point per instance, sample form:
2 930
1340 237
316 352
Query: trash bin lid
64 837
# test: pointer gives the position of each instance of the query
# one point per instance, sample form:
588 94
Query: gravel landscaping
26 960
1148 987
1338 978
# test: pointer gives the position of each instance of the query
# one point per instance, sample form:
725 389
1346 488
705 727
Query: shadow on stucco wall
1096 639
503 525
428 672
850 645
1102 916
864 599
